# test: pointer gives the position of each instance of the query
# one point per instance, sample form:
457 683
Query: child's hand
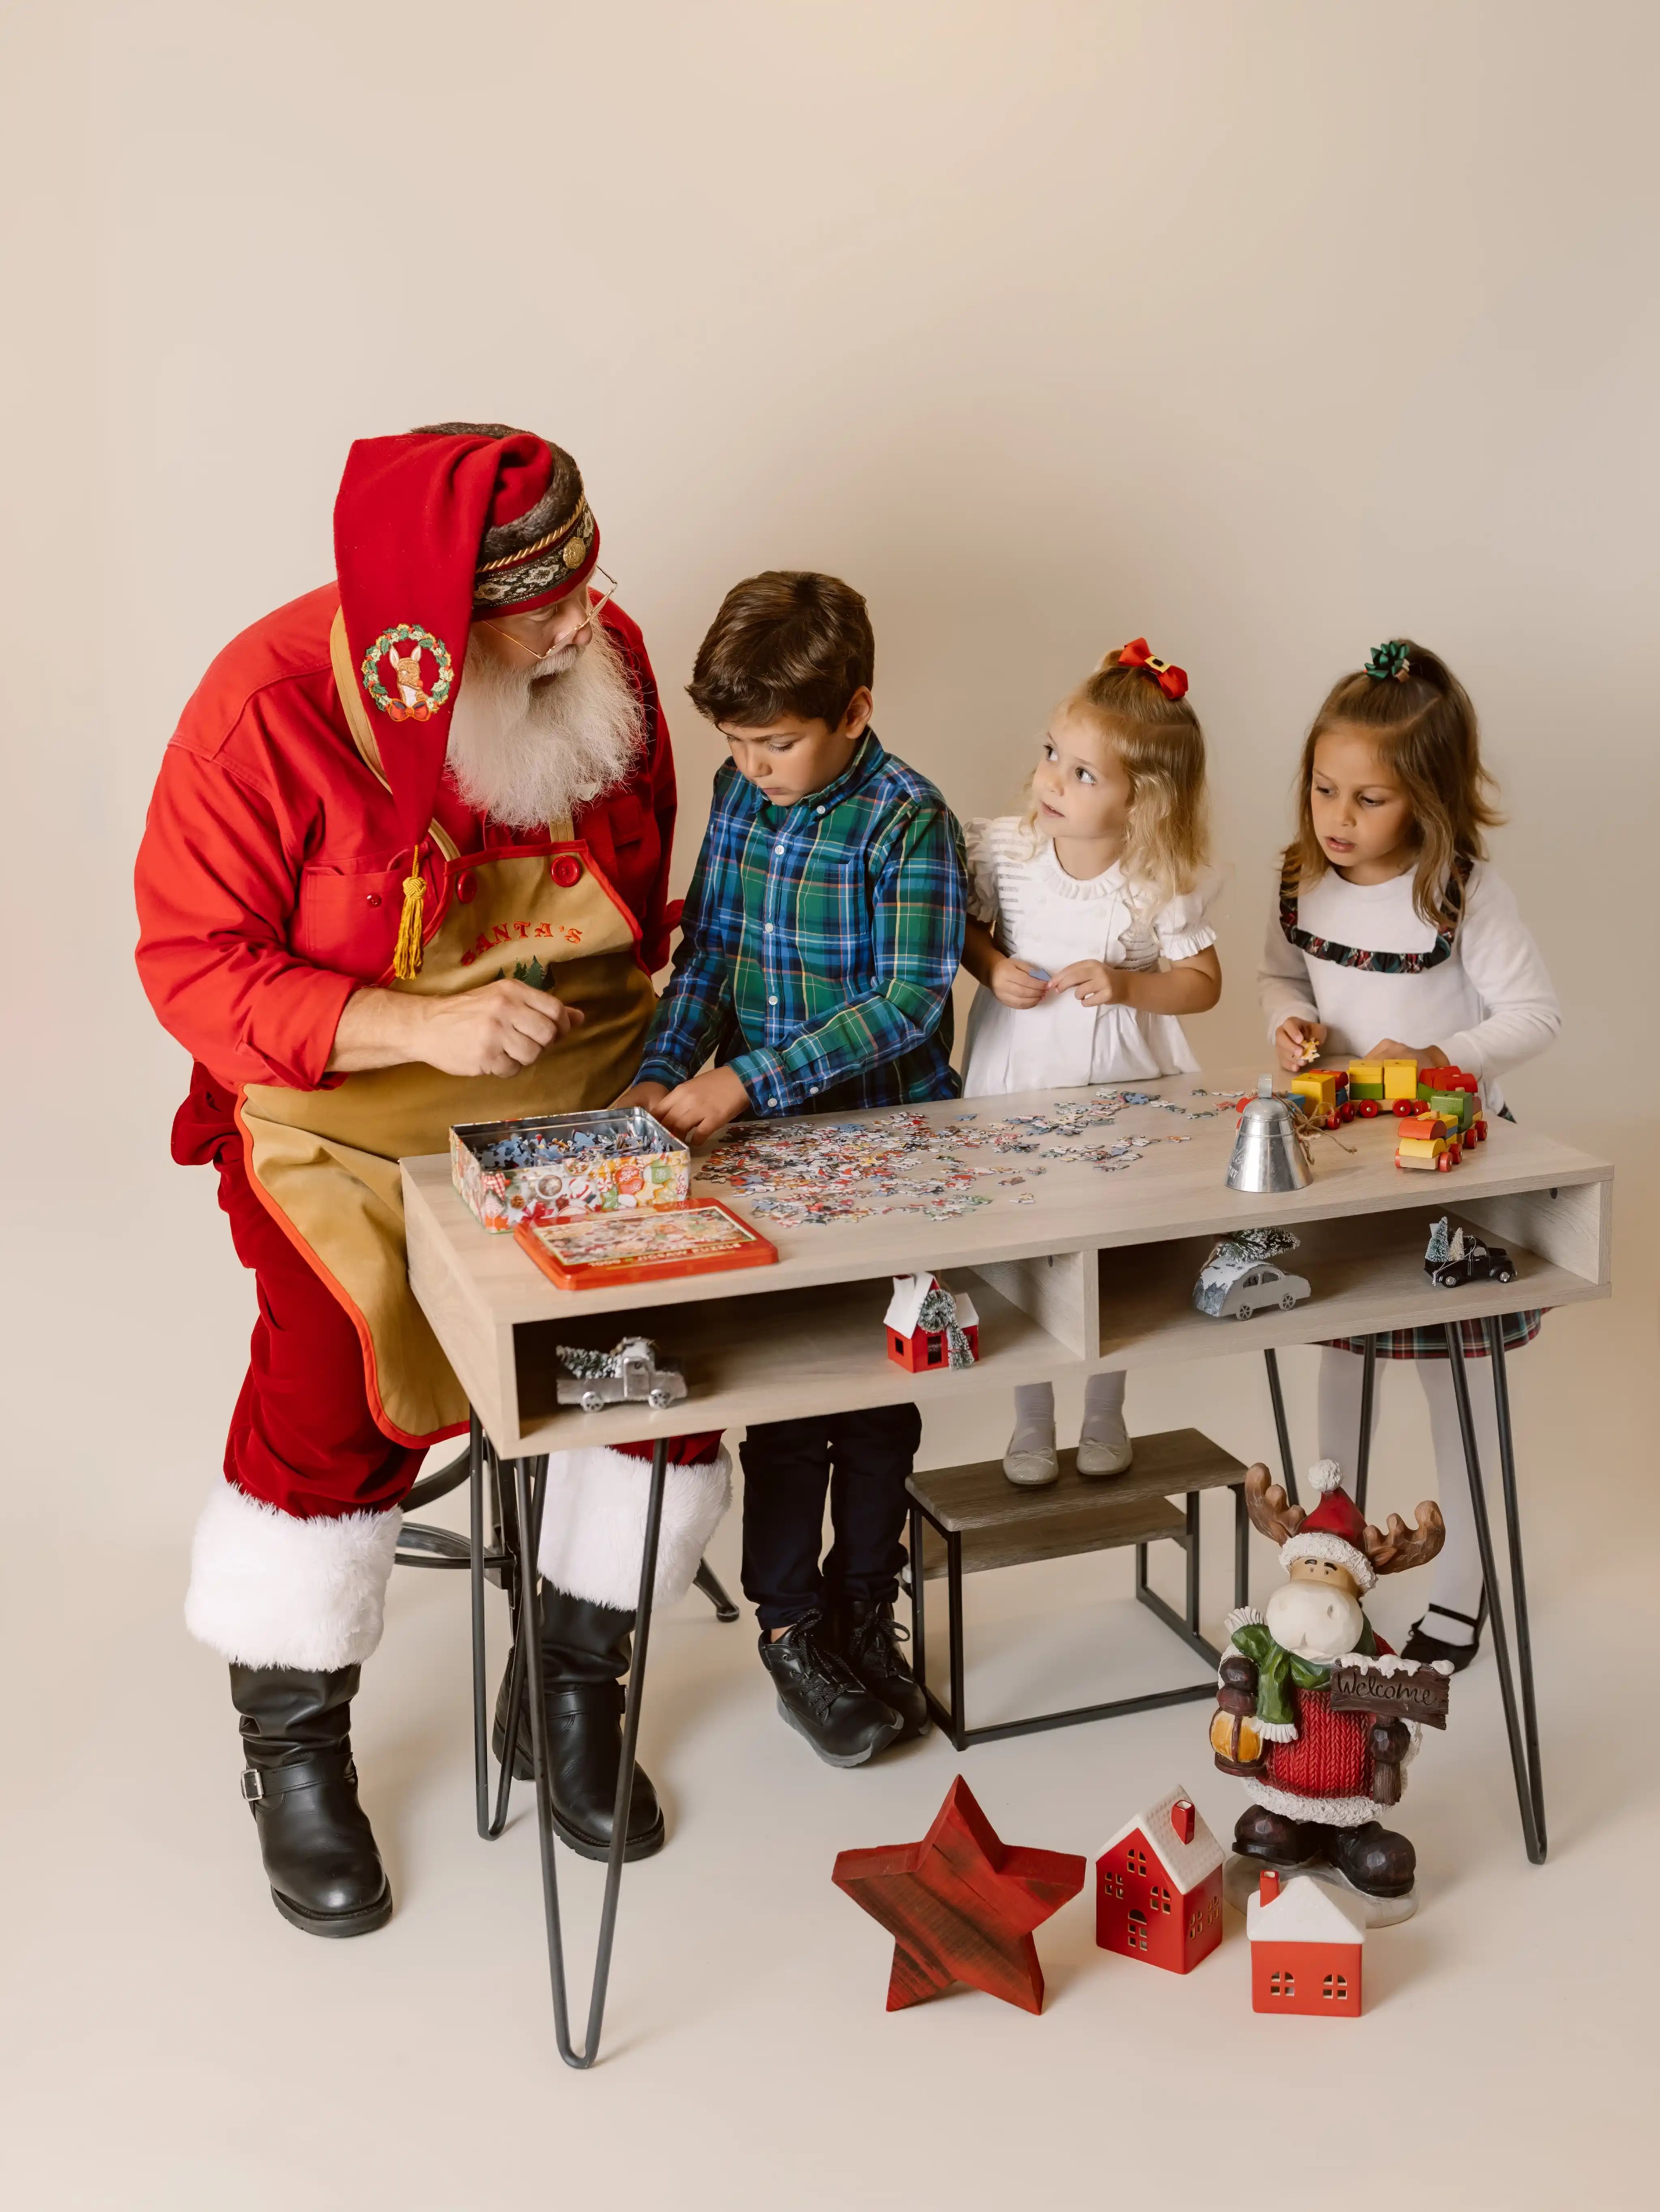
648 1095
1013 983
1095 984
1426 1055
1293 1039
697 1109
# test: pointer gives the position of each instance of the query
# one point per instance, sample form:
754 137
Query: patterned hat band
551 564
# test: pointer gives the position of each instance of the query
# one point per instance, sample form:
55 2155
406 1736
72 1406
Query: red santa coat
270 878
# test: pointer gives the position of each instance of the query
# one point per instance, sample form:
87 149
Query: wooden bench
968 1520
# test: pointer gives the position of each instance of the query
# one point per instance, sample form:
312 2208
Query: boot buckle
253 1784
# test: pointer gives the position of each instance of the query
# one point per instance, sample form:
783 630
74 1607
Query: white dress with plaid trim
1038 913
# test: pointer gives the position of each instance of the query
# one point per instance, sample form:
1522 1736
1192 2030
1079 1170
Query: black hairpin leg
713 1589
1521 1712
530 1634
1363 1449
1282 1427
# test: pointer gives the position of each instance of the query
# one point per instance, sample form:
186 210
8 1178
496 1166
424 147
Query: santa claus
405 866
1318 1777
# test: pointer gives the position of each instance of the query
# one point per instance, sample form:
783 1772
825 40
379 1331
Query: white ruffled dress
1036 912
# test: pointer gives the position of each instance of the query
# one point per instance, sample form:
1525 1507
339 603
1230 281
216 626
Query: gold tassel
406 962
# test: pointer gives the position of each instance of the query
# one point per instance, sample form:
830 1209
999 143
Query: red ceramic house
914 1346
1159 1886
1305 1944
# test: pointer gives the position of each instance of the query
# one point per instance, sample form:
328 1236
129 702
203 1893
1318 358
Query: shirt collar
869 759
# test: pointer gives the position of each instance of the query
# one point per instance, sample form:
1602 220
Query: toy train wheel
1367 1109
1345 1113
1444 1165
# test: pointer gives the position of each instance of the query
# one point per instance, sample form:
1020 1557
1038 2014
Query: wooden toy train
1439 1108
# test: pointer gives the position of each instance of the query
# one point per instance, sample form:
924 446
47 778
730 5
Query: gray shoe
1109 1456
1032 1470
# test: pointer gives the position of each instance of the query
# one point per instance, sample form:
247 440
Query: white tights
1034 1412
1457 1581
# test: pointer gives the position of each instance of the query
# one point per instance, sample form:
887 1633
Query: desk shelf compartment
1365 1271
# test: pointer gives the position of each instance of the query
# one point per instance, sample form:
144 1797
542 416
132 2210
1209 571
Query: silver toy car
1240 1277
629 1373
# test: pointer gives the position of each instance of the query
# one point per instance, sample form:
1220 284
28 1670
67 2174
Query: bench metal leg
1515 1687
529 1481
707 1581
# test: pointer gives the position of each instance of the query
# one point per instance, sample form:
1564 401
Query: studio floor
176 2045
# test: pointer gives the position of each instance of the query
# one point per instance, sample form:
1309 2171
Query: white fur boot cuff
267 1589
593 1529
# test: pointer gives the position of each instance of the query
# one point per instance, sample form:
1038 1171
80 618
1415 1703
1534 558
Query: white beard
1317 1620
529 745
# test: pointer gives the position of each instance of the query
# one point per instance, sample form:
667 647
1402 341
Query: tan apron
325 1161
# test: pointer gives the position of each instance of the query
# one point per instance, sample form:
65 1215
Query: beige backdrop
1268 331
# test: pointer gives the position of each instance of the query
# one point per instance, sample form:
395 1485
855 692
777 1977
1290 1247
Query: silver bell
1268 1152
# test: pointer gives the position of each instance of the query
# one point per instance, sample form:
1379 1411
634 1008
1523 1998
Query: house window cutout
1282 1985
1138 1931
1337 1985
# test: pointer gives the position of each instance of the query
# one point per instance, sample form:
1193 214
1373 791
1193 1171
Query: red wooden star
961 1906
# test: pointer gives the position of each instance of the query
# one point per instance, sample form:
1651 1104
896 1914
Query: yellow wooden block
1369 1071
1420 1148
1400 1078
1318 1084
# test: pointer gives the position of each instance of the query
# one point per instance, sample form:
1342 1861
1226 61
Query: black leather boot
1372 1859
301 1784
821 1696
869 1639
585 1654
1278 1842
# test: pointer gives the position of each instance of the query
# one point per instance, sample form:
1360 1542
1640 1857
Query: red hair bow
1170 680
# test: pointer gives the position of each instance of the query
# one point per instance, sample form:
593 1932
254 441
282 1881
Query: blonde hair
1423 725
1161 746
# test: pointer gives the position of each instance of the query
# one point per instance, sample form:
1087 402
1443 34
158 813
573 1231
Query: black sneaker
1423 1648
823 1699
870 1639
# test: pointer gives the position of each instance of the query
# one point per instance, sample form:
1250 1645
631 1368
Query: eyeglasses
596 607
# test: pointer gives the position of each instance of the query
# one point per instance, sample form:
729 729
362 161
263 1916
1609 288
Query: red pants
302 1438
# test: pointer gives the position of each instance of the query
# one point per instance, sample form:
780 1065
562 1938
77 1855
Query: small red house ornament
1159 1886
929 1326
1306 1943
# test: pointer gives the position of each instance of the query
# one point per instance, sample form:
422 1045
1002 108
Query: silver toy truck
630 1373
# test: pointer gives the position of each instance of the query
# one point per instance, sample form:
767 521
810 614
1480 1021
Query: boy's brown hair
1421 720
787 641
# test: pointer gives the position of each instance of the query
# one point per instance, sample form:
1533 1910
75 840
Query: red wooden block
961 1906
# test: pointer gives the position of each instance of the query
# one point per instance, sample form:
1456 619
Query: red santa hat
431 528
1334 1532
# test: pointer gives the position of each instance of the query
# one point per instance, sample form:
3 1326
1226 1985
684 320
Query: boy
818 944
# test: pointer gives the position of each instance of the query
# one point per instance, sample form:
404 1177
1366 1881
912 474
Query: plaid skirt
1428 1339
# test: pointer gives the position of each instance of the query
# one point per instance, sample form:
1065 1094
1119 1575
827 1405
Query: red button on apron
374 898
566 871
466 884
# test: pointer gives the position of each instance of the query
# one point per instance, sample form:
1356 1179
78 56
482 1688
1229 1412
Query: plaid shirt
819 943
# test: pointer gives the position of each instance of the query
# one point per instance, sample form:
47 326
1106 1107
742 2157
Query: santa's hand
496 1030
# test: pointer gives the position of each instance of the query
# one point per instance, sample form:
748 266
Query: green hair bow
1388 660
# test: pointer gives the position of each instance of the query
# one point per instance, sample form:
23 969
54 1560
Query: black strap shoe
870 1638
301 1784
823 1699
1424 1649
585 1758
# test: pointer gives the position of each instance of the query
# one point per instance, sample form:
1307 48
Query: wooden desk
1097 1271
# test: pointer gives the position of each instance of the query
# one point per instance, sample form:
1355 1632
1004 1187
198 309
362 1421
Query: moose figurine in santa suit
1316 1714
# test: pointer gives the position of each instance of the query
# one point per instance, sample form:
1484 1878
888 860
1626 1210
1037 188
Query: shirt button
466 883
566 871
374 898
812 1088
772 1002
768 927
777 852
821 809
